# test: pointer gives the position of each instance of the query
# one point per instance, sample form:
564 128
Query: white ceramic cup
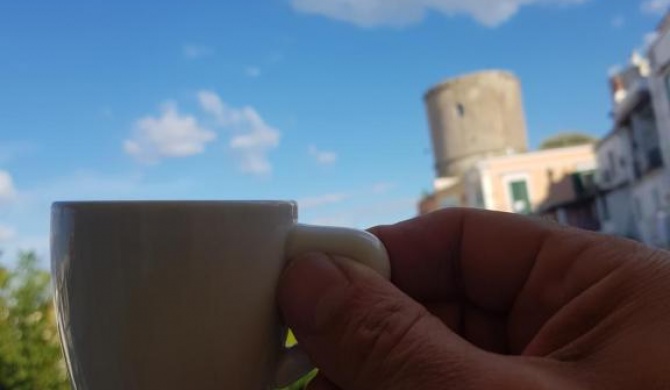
181 295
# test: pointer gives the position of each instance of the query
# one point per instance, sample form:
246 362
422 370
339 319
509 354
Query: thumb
364 333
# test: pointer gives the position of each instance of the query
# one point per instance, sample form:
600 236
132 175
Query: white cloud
6 234
253 71
618 21
657 7
370 13
252 139
322 157
169 135
382 188
7 190
322 200
194 51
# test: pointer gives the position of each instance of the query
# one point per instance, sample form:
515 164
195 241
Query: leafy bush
30 354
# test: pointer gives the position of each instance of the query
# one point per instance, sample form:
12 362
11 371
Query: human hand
483 300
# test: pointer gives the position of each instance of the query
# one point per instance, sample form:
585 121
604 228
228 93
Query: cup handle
357 245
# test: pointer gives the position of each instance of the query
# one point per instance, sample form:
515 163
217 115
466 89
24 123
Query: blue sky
314 100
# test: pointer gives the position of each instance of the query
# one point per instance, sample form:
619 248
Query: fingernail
311 289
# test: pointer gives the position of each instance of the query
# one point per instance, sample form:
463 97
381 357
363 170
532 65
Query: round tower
474 117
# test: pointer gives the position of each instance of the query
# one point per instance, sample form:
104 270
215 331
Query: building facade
659 83
614 177
632 177
557 183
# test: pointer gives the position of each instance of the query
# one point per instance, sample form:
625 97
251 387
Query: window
461 110
449 202
518 190
562 216
607 176
604 209
611 162
657 199
638 209
550 175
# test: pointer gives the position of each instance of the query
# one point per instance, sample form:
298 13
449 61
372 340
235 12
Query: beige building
529 182
558 183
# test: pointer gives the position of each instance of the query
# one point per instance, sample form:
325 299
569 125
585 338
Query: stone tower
474 117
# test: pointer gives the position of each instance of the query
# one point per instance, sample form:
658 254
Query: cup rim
175 203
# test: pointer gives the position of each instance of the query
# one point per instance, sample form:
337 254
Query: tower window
460 108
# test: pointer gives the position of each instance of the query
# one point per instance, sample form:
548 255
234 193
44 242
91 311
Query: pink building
557 183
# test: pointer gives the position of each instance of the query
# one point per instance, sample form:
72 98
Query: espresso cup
181 295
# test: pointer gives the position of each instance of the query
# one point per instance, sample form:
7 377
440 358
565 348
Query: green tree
30 354
563 140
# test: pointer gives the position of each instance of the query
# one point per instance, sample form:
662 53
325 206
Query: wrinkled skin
483 300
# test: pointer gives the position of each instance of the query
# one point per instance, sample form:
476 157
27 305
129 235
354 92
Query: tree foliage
564 140
30 354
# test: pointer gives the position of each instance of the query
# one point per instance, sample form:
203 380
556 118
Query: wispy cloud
376 189
322 157
10 151
167 136
87 184
370 13
655 7
376 213
618 21
382 187
323 200
251 140
253 71
8 192
193 51
7 234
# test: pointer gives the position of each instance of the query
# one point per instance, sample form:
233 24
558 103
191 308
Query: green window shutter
520 197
